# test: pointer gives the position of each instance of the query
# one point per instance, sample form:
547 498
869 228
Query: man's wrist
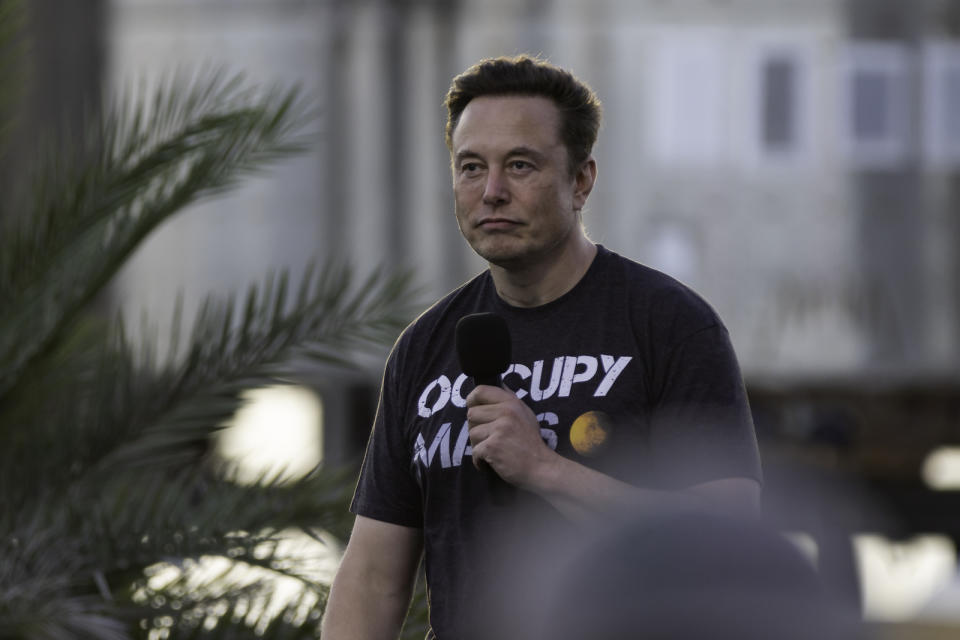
547 473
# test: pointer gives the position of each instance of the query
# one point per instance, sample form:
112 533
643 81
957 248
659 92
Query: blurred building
790 160
795 161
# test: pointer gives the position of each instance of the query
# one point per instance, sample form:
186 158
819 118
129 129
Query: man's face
516 202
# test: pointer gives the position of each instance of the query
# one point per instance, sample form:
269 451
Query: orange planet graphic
590 432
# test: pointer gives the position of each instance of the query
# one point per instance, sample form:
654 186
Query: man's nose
495 191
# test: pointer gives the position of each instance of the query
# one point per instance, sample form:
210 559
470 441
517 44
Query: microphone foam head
483 344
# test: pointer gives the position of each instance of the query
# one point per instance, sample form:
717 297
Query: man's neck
546 280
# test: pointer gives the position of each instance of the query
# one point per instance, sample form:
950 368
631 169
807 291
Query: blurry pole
63 79
942 22
891 207
396 26
336 138
451 249
945 20
62 86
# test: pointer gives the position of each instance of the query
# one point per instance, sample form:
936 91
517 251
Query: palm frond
232 351
135 518
92 213
39 580
214 574
105 472
61 618
242 617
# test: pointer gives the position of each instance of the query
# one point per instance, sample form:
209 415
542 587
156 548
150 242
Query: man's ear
584 179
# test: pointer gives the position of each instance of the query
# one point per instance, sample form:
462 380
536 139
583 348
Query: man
624 394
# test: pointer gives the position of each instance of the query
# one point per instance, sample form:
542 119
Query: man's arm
505 433
582 493
371 592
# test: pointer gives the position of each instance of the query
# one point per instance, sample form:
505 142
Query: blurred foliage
106 473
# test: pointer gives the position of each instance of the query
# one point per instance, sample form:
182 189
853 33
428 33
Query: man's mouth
497 223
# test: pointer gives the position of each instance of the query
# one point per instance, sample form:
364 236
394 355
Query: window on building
942 104
876 115
780 101
778 118
870 108
951 107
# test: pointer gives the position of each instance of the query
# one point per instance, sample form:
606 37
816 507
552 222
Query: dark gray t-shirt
630 373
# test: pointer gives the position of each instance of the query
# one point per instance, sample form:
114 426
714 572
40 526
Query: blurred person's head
578 106
691 576
679 574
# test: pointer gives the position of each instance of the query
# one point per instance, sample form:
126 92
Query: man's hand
505 434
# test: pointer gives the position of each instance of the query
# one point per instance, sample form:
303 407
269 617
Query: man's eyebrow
516 151
464 154
526 151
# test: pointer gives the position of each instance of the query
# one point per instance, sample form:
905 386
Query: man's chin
494 247
502 256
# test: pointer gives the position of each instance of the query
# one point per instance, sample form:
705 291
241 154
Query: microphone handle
489 379
499 488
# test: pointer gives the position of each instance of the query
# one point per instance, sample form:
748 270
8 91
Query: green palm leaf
194 140
106 471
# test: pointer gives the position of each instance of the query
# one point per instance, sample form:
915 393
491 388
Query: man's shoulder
651 282
659 297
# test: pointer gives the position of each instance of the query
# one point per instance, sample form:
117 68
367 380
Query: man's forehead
523 120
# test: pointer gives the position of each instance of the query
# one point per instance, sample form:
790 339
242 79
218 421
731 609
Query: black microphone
483 348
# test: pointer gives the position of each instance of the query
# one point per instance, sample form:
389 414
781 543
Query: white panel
899 578
688 90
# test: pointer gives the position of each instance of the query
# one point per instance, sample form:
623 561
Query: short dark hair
580 109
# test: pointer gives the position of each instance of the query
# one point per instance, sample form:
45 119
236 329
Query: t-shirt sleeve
702 428
387 489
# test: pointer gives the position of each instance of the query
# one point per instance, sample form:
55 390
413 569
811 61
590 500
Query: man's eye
469 167
520 165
